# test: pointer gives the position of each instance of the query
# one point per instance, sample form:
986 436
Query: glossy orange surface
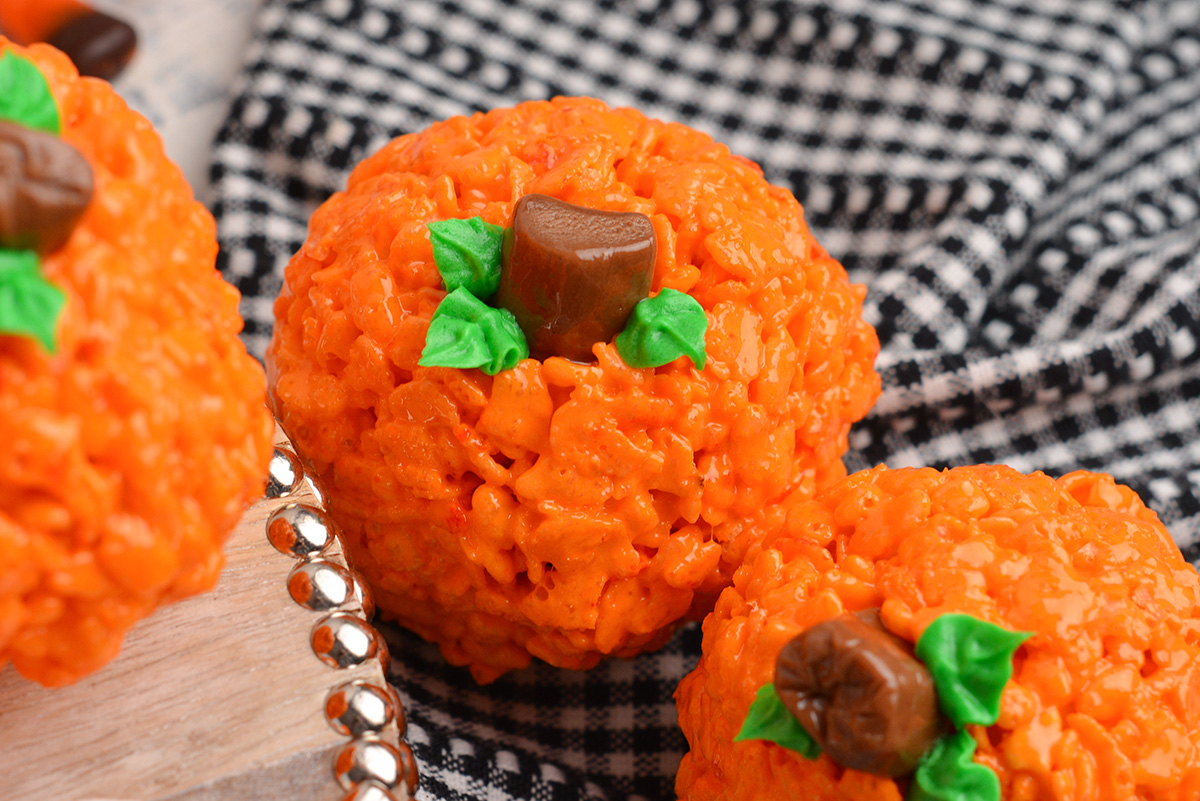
1104 704
564 510
128 455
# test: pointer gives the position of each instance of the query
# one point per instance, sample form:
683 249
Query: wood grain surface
216 697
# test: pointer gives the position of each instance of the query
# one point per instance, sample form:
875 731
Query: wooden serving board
215 697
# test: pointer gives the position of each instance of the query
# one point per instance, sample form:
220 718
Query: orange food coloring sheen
1104 703
560 509
130 453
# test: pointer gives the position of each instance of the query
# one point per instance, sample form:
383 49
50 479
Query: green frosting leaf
29 304
971 661
25 96
467 254
947 773
663 328
465 332
769 719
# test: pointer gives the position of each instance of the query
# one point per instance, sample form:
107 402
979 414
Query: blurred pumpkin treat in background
133 419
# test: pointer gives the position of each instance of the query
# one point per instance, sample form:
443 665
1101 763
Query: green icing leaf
947 773
663 328
769 719
971 661
465 332
29 304
467 254
25 96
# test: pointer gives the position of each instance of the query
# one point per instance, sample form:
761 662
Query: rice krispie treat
973 633
134 422
559 366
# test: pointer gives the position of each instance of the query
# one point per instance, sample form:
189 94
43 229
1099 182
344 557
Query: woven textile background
1017 182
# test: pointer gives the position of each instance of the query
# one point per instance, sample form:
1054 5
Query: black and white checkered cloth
1016 181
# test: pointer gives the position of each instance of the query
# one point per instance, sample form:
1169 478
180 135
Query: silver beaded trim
368 767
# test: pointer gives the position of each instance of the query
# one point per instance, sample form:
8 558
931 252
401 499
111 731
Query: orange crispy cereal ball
130 452
564 510
1104 703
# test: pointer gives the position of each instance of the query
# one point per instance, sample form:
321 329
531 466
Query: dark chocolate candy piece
860 692
99 44
45 185
572 275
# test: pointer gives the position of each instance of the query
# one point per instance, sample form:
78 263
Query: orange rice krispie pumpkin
131 448
564 508
1103 703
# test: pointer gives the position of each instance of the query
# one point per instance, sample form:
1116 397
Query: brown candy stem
861 694
100 45
45 186
572 275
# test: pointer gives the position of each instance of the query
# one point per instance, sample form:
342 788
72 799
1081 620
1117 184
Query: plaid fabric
1016 182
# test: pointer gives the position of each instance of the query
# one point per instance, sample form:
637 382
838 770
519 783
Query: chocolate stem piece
861 694
45 186
572 275
100 45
